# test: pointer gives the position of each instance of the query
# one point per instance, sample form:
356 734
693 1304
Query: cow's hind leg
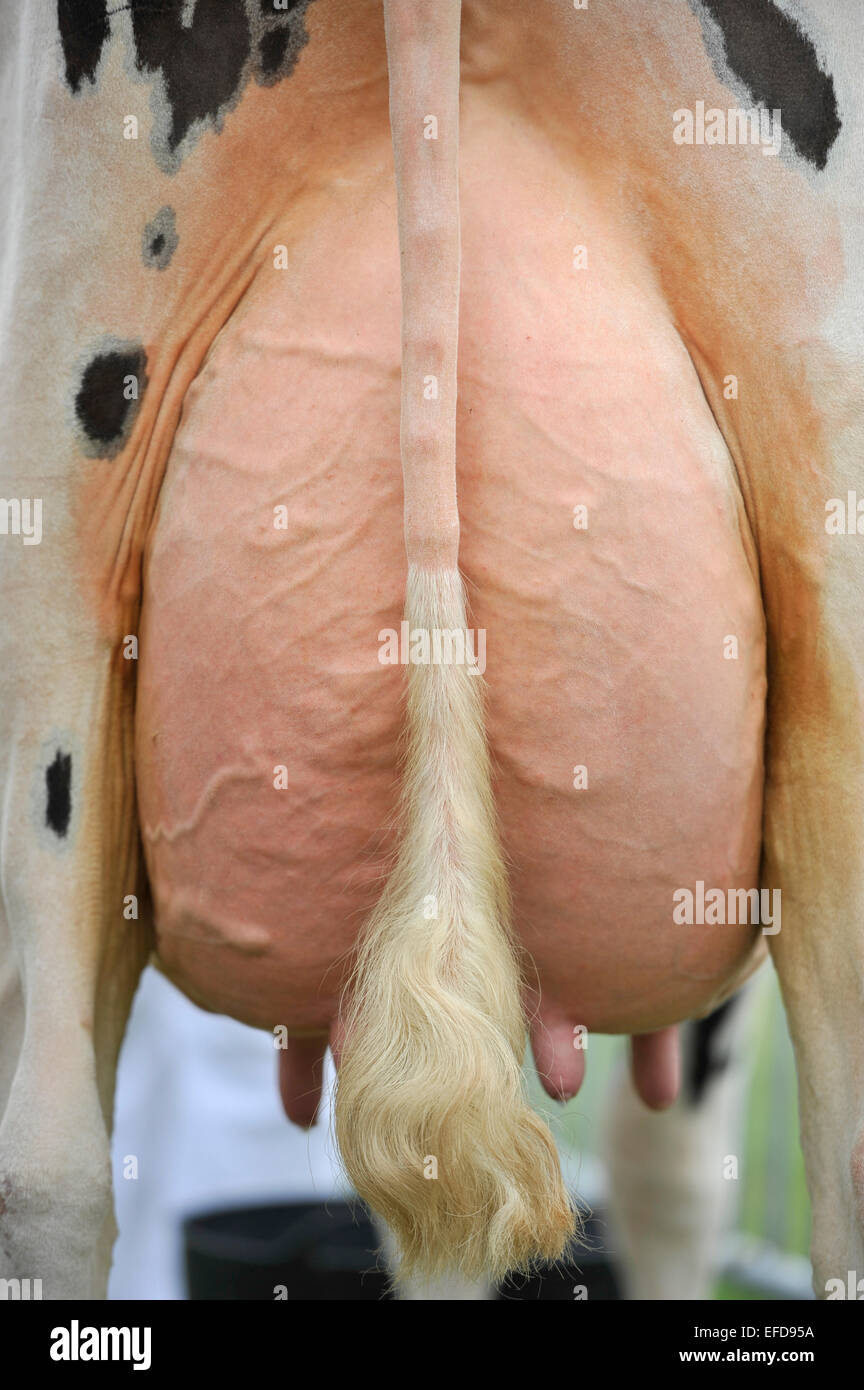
72 939
672 1186
71 958
813 860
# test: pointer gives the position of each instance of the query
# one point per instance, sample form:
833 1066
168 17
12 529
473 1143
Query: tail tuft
431 1119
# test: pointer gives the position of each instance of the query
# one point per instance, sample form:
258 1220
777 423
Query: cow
594 275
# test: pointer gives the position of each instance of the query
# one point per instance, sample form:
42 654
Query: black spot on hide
777 63
84 29
272 50
160 239
202 64
108 398
58 786
706 1058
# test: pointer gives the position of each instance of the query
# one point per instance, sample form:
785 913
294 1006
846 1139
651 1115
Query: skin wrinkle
234 935
225 775
272 346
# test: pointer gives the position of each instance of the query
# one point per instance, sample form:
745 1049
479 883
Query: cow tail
430 1117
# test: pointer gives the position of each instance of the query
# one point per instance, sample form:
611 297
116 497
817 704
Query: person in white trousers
199 1125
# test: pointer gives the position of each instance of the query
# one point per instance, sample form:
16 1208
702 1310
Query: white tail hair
430 1115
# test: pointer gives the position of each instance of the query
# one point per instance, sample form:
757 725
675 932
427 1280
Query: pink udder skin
632 648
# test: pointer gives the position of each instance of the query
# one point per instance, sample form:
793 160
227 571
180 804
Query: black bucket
309 1251
298 1250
